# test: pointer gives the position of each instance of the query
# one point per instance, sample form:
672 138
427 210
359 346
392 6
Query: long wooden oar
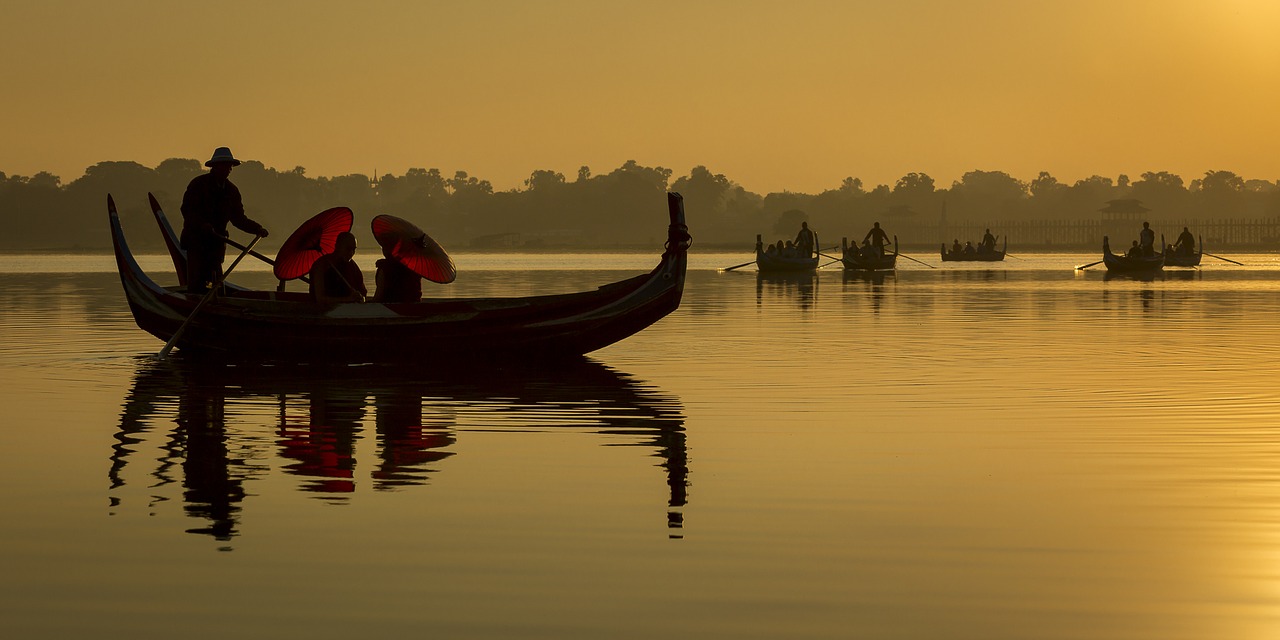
168 346
738 266
257 255
1086 266
829 263
914 260
1222 258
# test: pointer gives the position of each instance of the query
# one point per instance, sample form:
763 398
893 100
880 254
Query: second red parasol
314 238
413 248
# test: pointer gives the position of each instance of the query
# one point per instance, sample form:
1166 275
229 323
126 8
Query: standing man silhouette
804 241
1147 240
878 239
211 201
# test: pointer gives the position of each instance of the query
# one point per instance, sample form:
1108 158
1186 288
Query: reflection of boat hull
995 256
855 261
1126 264
290 326
323 409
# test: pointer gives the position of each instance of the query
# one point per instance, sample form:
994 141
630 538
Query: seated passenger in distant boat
968 249
772 251
335 277
1135 251
790 250
955 247
396 282
868 252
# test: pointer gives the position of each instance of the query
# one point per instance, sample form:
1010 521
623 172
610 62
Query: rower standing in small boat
210 202
335 277
804 241
988 243
878 239
1147 240
1186 244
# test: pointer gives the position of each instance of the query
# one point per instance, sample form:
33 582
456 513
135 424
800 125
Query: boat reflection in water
208 426
872 282
803 287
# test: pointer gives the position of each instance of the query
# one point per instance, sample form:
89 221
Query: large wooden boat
774 263
853 259
989 256
276 325
1122 263
1175 259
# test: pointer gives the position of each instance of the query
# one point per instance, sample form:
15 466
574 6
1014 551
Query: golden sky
776 95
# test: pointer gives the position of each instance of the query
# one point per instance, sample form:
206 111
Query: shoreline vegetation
621 211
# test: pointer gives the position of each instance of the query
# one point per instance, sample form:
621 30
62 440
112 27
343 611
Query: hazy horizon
793 97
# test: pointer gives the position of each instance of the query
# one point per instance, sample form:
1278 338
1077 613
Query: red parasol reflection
413 248
314 238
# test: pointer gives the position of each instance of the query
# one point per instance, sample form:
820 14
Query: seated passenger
771 251
335 277
955 246
968 248
1135 251
396 282
789 251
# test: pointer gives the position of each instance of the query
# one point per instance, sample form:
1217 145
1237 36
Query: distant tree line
625 207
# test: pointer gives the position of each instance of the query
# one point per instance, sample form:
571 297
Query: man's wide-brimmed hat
222 154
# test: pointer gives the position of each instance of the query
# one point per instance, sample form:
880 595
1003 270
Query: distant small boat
854 260
1126 264
774 263
1175 259
980 256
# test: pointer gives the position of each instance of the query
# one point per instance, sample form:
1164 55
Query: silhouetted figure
1147 240
955 246
335 277
1135 251
789 251
1186 243
968 249
988 242
210 202
804 241
396 282
878 238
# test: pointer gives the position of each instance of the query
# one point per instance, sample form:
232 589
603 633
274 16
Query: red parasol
313 239
413 248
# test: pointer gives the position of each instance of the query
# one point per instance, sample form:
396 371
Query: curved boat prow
131 273
171 240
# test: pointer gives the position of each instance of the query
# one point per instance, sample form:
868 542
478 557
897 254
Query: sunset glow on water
1006 452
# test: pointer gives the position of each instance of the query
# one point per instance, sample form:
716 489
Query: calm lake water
1014 451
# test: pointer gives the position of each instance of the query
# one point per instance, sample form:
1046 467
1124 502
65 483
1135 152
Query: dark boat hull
1175 259
766 263
995 256
1124 264
267 325
854 261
